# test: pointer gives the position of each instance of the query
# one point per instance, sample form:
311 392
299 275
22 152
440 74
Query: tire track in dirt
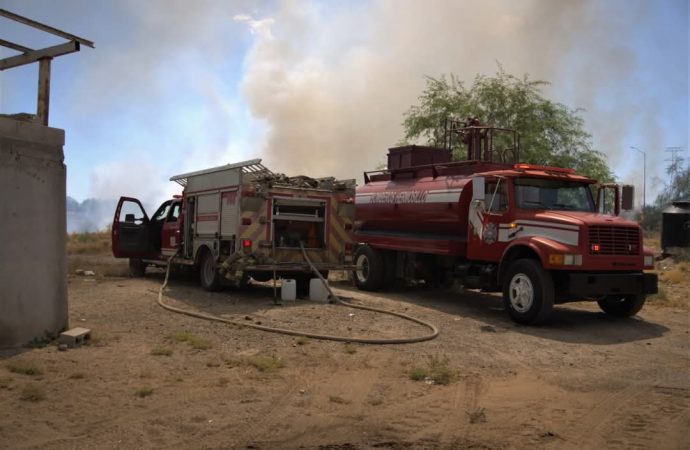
636 417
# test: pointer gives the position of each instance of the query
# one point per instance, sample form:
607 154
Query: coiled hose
328 337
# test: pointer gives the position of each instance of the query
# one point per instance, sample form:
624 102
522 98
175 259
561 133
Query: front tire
208 272
622 306
528 292
369 275
137 267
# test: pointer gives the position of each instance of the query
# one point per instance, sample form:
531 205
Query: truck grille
611 240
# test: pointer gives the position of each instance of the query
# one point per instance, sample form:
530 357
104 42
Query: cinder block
75 337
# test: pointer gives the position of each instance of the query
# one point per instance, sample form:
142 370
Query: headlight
565 260
648 260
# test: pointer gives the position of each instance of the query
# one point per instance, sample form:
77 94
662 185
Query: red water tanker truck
533 232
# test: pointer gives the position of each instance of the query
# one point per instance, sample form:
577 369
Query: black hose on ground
427 337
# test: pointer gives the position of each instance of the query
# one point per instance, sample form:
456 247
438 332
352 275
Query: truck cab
139 237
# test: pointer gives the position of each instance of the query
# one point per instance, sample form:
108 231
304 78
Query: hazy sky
320 87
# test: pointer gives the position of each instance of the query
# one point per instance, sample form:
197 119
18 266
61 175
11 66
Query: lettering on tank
399 197
409 197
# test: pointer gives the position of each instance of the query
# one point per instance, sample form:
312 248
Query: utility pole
674 160
644 176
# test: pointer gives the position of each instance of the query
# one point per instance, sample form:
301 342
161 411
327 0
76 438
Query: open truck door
130 234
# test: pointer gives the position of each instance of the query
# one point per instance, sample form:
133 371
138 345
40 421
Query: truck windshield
542 193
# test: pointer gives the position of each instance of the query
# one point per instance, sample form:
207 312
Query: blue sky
320 87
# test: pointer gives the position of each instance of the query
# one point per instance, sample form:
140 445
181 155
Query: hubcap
521 293
362 268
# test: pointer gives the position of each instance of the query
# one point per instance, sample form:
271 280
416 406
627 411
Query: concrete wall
33 286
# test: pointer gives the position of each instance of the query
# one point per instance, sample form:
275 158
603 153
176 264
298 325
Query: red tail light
247 246
595 248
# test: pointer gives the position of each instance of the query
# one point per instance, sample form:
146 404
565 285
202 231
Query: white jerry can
317 290
288 290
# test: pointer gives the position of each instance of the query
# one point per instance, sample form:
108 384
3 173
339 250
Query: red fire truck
239 221
535 233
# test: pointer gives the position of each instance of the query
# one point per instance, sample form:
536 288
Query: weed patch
161 351
5 383
436 371
338 400
77 376
25 368
144 392
266 364
194 341
477 416
350 349
32 393
301 340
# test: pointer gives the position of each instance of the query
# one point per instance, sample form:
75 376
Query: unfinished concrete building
33 286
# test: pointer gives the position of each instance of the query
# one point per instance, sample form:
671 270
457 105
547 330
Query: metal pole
43 106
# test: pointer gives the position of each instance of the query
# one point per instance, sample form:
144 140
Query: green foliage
437 371
677 189
550 133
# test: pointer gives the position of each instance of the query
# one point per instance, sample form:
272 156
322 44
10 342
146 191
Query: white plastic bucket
317 290
288 290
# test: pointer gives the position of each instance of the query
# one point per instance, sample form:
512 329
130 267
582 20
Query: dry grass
338 400
32 393
266 364
5 383
24 368
437 371
194 341
161 351
96 243
477 416
679 274
144 392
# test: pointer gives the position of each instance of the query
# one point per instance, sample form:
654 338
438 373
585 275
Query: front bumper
602 284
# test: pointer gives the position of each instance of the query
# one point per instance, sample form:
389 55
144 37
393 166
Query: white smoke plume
332 85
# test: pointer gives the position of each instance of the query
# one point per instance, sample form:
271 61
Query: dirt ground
150 378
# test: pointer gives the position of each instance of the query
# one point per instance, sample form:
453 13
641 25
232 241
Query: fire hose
336 299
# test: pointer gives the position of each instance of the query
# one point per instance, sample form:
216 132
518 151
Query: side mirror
478 184
129 218
627 197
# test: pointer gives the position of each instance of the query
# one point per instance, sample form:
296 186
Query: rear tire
622 306
208 272
369 275
137 267
528 292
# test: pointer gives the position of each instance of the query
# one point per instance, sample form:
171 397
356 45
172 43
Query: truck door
130 237
171 236
488 213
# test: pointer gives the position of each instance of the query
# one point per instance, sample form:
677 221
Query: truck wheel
622 306
370 271
208 272
528 292
137 268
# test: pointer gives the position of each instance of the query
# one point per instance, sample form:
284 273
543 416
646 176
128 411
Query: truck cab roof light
524 166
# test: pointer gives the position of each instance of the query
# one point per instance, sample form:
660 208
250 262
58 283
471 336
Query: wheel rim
362 268
521 293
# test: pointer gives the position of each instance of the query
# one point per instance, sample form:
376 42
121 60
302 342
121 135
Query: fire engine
534 233
241 221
